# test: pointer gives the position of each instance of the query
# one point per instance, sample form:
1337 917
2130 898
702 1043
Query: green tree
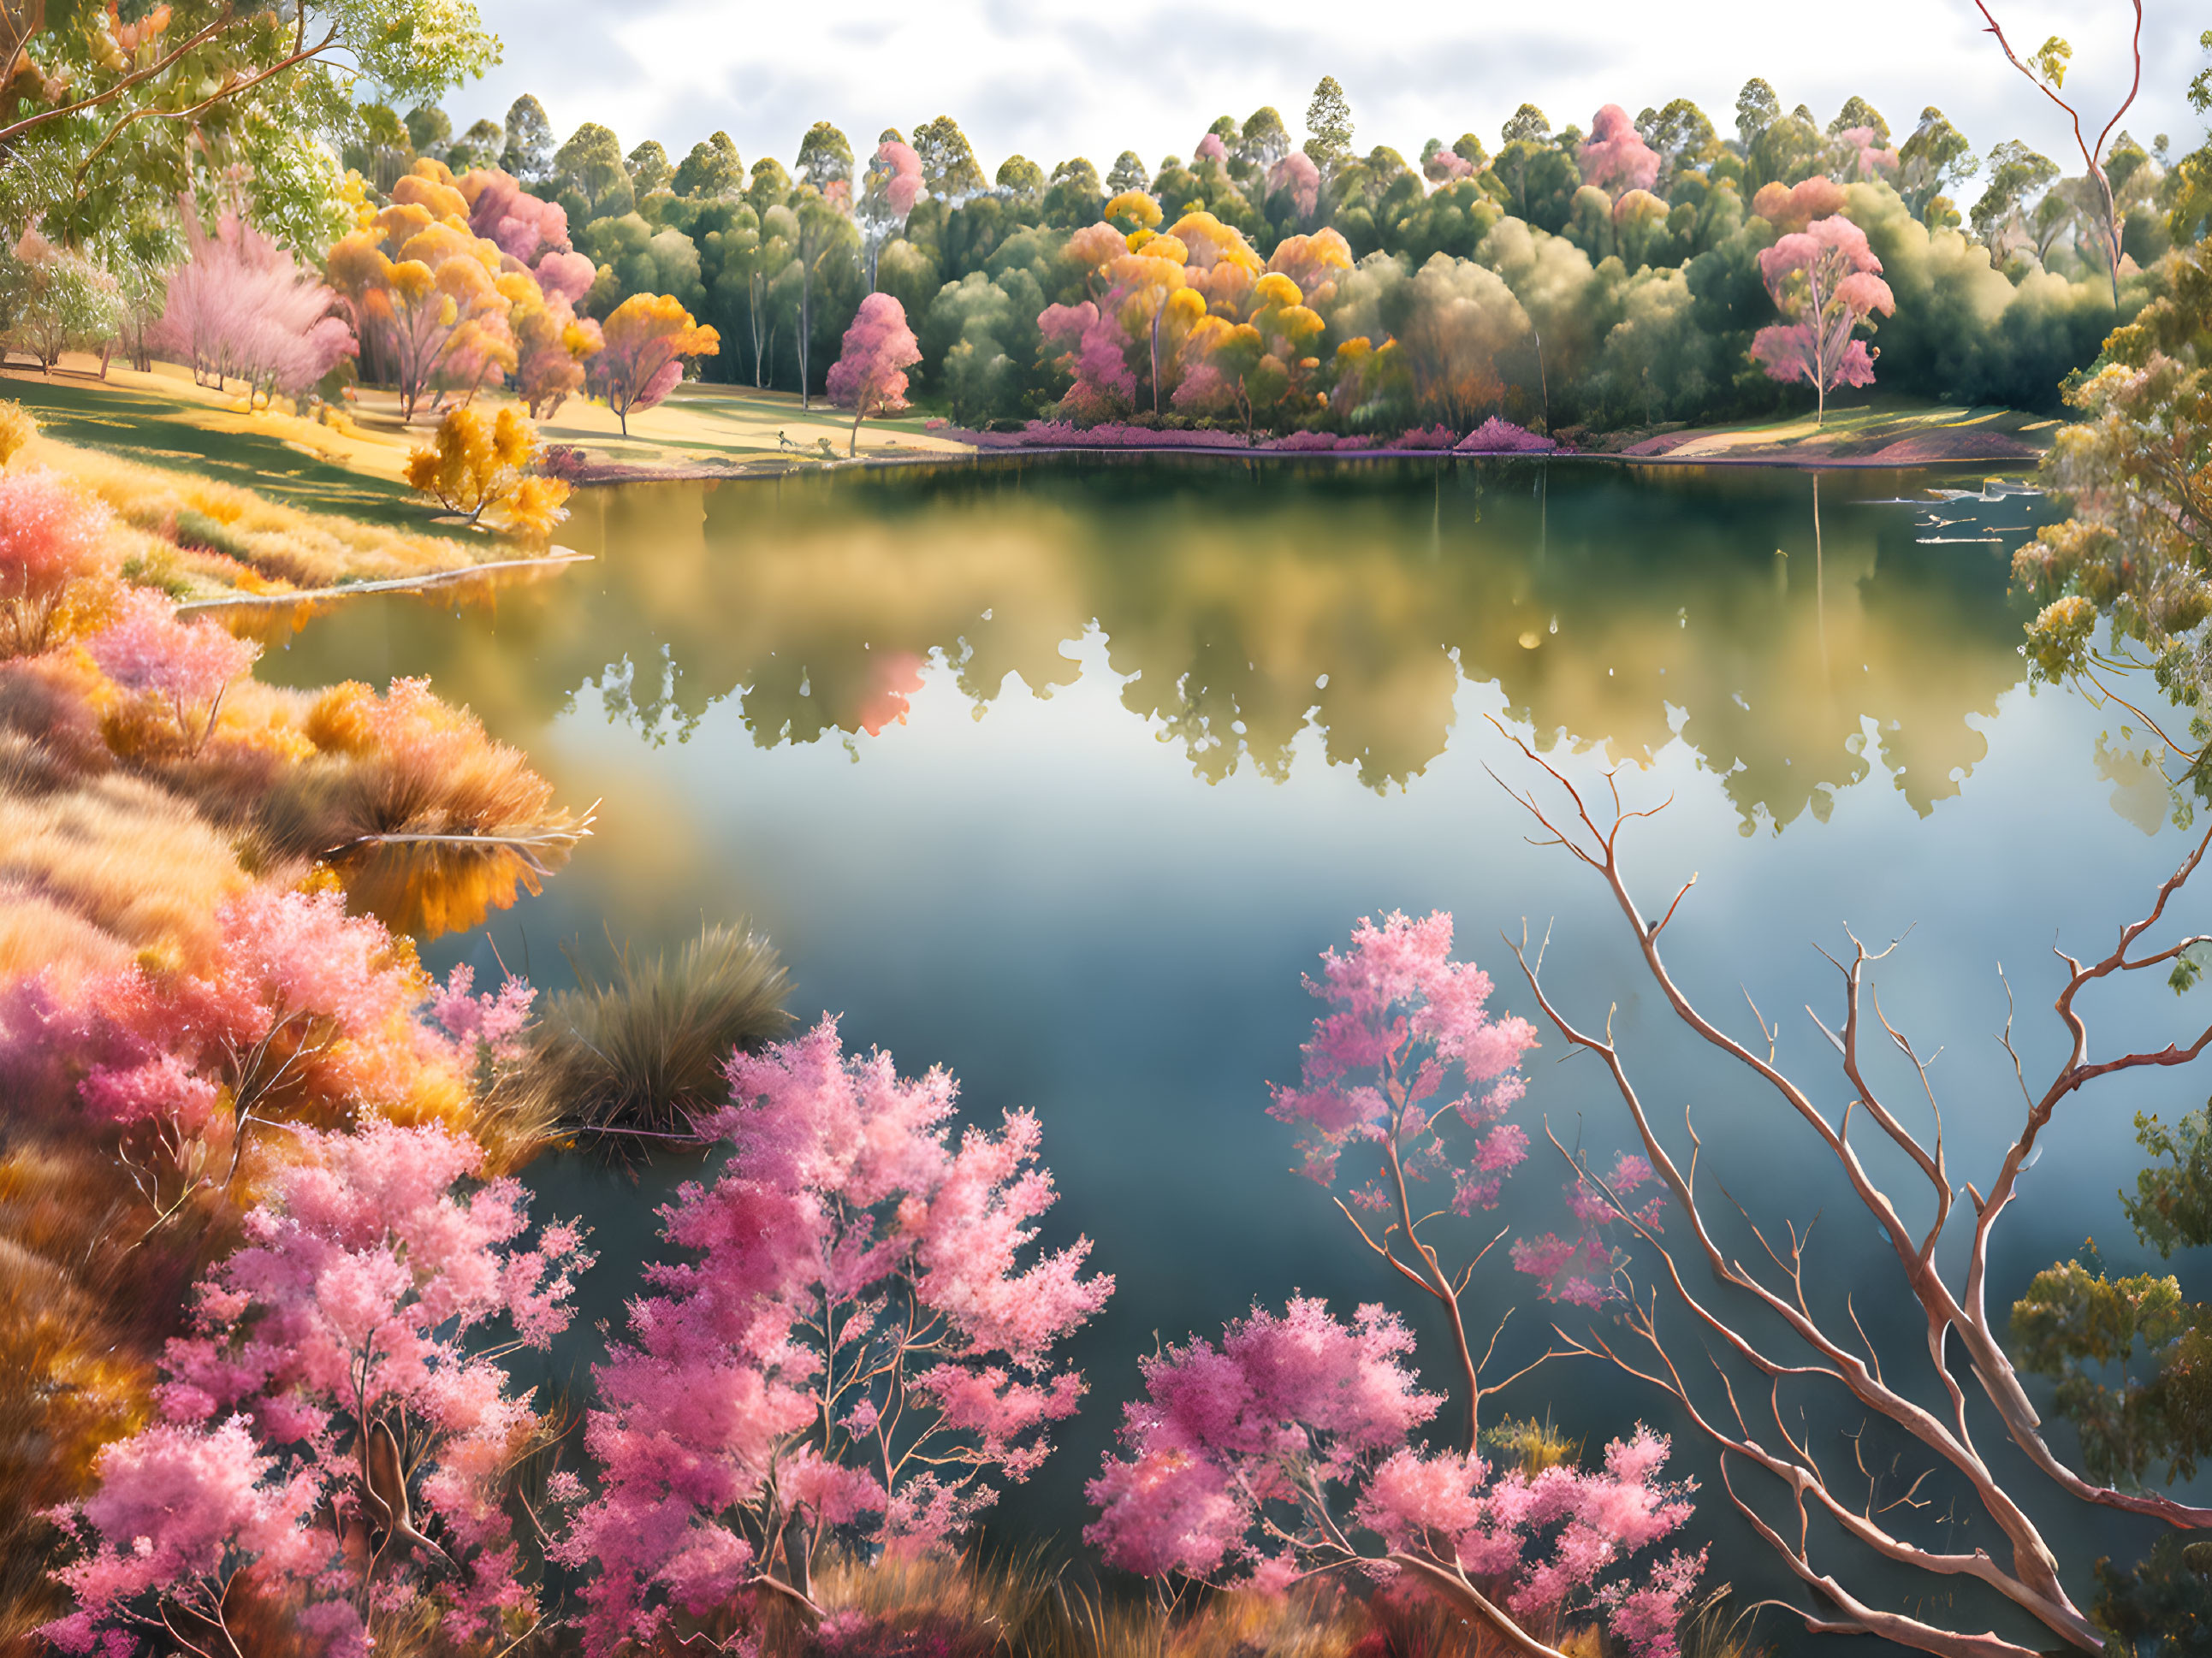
824 158
1757 109
2015 174
1682 133
1021 176
648 168
1858 112
1328 126
591 164
711 171
769 186
528 152
64 66
429 130
1074 194
1526 125
1935 157
1264 139
948 167
479 146
1128 172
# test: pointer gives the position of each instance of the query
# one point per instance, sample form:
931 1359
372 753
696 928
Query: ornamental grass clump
643 1052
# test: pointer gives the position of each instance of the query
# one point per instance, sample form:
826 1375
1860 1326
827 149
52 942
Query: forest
280 1293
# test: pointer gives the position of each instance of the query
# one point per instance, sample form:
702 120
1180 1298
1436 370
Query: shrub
51 533
185 666
17 428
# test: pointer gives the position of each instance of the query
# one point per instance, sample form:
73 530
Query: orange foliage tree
647 340
433 302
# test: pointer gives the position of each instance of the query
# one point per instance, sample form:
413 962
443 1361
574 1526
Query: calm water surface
1062 775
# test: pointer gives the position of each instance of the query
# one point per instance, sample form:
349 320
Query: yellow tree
476 464
647 340
1257 364
432 300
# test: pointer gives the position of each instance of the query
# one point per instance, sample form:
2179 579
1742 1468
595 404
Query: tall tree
1264 140
528 151
648 168
1328 126
1757 109
949 166
591 164
2046 72
825 158
712 171
2015 173
1827 281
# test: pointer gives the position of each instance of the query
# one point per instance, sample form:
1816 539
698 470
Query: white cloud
1052 79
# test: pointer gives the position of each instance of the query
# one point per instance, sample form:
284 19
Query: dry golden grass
215 538
130 859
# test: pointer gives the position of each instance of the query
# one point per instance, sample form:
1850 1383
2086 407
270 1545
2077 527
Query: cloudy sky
1051 79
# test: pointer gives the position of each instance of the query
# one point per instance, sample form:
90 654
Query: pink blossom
242 306
350 1304
1614 157
846 1217
1827 283
869 376
1249 1455
1404 1018
1297 174
185 665
493 1021
51 532
1498 436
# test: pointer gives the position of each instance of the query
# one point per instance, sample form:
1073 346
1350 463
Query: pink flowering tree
1409 1074
1285 1452
1088 345
1827 283
51 533
1614 157
242 306
1582 1271
869 377
861 1337
337 1414
184 666
1297 174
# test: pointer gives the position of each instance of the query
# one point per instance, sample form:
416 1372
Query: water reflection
1770 620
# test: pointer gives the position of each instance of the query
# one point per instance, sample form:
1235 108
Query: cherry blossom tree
185 666
869 376
332 1370
861 1336
1409 1068
51 533
241 305
1272 1457
1614 157
1827 281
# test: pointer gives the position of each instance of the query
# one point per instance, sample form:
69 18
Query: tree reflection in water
1790 630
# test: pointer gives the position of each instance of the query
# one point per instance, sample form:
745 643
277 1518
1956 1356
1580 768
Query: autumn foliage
647 340
477 464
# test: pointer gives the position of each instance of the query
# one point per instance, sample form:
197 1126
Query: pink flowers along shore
1495 436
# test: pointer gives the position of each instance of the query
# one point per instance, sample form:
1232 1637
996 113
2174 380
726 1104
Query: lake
1060 773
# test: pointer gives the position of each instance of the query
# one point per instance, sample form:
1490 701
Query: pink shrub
1244 1460
850 1253
331 1369
1435 437
51 533
1089 345
185 665
1496 436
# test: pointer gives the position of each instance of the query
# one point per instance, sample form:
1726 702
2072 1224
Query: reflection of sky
1040 895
